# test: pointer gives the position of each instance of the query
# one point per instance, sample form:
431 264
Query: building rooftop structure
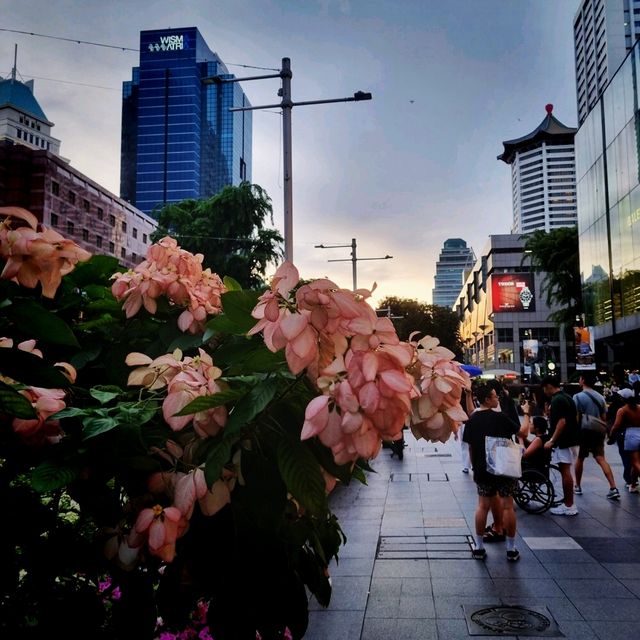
549 130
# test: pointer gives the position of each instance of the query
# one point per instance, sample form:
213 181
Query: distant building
179 139
503 316
455 260
77 207
543 176
603 33
22 120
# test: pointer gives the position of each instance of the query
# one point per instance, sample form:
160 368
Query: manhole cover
510 620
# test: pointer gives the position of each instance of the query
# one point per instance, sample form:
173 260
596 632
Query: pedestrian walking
590 403
629 417
486 421
564 441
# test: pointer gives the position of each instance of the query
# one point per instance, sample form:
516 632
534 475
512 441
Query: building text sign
170 43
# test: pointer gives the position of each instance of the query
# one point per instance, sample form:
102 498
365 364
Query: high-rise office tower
603 33
179 139
543 176
455 260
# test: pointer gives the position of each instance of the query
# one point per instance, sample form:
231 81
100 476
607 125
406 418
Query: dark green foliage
228 229
427 319
555 254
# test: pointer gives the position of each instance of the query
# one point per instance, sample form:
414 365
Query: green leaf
15 404
231 284
217 458
251 405
96 426
52 475
221 324
98 269
203 403
39 323
70 412
105 393
135 414
30 369
238 305
301 473
84 357
185 342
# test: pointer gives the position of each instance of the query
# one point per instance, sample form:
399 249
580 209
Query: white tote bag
503 457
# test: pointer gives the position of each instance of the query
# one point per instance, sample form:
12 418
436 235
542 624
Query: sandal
491 535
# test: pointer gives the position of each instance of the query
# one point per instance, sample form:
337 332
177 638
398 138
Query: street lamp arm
332 246
306 102
219 80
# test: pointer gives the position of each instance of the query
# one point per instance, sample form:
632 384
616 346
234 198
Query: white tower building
543 176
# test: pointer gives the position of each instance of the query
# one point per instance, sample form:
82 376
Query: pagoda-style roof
550 130
18 95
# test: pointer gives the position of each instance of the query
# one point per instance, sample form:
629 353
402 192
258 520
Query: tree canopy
555 254
410 315
228 229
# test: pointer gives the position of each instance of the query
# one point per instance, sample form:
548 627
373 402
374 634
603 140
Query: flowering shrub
168 440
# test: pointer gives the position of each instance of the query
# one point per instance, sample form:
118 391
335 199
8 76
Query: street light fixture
286 104
354 259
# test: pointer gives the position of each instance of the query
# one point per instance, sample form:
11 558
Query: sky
400 173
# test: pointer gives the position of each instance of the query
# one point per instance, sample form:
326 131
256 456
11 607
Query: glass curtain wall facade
179 139
609 212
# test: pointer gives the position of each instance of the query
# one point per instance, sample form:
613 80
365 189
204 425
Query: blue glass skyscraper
179 139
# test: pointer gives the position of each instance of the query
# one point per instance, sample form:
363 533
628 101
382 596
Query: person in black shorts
486 421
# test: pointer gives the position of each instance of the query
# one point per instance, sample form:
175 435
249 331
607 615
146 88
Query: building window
85 235
123 253
70 228
99 241
134 257
100 214
54 219
505 335
124 226
112 220
135 232
86 205
112 247
55 188
144 238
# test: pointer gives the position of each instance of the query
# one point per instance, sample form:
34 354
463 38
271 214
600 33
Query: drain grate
424 547
510 620
410 477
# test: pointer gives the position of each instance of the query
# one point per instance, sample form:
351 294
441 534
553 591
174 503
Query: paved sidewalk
583 571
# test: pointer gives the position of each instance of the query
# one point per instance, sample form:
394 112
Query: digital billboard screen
512 292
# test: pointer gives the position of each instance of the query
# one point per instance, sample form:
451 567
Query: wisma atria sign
169 43
512 292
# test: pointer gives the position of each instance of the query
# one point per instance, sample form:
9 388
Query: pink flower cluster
372 383
34 256
354 358
40 430
437 412
177 274
185 379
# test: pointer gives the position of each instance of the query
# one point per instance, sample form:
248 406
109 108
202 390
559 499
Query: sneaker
465 470
634 488
563 510
491 535
513 555
613 494
577 491
478 554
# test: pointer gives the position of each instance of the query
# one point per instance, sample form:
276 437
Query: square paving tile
337 625
553 542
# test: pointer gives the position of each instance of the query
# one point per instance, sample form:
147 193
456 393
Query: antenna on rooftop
15 63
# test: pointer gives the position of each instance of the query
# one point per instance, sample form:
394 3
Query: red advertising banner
512 292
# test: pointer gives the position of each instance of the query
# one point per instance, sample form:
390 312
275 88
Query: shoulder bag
594 423
503 457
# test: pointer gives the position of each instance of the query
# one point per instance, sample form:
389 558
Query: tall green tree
555 254
229 229
410 315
